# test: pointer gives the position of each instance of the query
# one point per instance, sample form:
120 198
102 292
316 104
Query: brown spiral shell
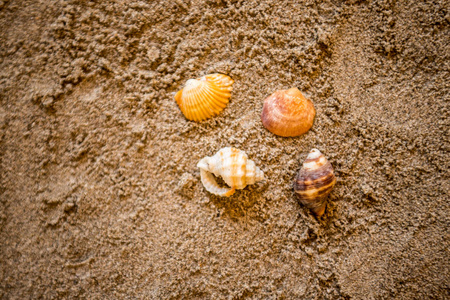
314 182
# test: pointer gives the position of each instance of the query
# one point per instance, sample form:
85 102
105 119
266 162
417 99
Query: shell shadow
243 206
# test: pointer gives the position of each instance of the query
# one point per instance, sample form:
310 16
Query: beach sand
100 196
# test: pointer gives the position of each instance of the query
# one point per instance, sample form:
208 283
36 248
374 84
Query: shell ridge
205 109
220 94
188 105
202 104
218 104
209 105
187 111
201 110
222 98
206 101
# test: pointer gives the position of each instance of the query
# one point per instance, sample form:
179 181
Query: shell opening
211 185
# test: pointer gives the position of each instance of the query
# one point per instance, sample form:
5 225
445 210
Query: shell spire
233 166
288 113
314 182
204 97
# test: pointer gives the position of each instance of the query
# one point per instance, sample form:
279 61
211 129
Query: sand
100 197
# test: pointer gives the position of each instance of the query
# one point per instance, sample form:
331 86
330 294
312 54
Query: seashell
204 97
288 113
233 166
314 182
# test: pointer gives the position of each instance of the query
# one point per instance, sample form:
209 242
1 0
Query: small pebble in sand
288 113
233 166
314 182
204 97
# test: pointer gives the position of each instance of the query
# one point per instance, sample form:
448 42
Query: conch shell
314 182
204 97
288 113
233 166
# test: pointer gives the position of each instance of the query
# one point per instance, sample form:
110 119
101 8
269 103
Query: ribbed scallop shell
288 113
233 166
314 182
204 97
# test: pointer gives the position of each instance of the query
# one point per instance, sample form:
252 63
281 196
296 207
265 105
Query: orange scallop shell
288 113
204 97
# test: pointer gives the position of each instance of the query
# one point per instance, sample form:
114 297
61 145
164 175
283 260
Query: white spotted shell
233 166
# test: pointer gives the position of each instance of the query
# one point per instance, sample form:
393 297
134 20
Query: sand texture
100 196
